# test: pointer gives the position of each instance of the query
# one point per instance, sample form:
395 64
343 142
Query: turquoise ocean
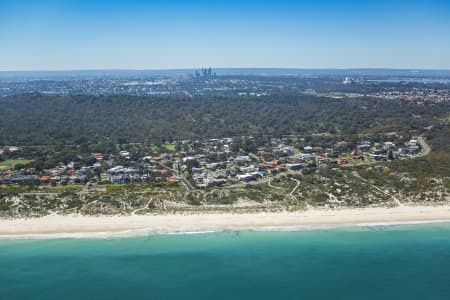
376 262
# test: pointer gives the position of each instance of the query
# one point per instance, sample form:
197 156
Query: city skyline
88 35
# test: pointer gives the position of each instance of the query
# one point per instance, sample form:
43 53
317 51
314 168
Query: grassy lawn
154 148
169 147
296 151
166 146
62 188
10 163
445 119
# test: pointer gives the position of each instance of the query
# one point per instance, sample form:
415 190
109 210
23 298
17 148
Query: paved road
425 147
295 188
186 183
269 183
180 177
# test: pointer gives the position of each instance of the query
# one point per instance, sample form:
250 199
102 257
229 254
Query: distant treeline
37 119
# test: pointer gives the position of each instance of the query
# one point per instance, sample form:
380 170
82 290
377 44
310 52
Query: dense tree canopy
36 119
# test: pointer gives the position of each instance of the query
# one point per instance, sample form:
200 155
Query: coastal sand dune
77 225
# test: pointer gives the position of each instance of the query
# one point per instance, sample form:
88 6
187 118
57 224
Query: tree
192 163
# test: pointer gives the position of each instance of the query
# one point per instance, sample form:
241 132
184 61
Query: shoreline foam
78 227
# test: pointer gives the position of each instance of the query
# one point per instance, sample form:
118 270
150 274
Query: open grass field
10 163
169 147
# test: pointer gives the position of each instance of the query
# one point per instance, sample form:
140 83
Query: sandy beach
78 226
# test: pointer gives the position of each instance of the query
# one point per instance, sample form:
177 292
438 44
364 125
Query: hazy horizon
227 68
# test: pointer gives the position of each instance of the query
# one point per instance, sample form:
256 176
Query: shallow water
381 262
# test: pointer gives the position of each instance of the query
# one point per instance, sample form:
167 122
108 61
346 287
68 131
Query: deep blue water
397 262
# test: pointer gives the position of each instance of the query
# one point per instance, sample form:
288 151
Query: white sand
77 226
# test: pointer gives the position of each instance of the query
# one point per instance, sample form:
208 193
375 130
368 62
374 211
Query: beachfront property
212 162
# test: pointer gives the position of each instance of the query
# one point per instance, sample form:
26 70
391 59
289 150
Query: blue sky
137 34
